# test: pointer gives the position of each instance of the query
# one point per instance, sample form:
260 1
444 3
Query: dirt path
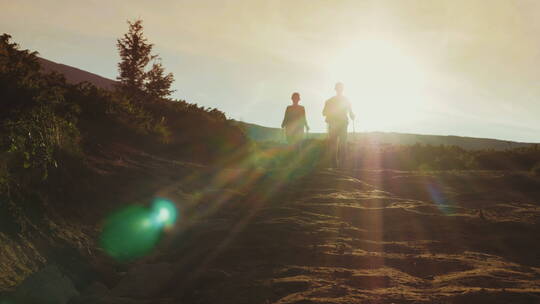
333 238
250 236
328 237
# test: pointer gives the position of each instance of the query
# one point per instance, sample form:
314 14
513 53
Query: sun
383 81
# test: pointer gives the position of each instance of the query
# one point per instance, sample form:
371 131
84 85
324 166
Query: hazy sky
455 67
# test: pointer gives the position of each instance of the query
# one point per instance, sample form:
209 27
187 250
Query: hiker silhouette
295 121
337 111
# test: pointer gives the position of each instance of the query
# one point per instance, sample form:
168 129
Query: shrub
36 121
35 136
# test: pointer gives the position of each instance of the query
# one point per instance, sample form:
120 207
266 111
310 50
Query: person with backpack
295 121
337 111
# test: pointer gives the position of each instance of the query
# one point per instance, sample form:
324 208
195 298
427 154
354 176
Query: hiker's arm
285 119
305 120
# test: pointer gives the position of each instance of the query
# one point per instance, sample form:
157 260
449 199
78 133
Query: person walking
337 111
295 121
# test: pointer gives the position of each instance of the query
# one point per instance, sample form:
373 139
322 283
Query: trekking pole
353 144
356 146
354 128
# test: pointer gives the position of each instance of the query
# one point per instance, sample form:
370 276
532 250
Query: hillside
74 75
260 133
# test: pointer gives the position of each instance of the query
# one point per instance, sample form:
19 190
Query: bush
36 121
35 136
42 117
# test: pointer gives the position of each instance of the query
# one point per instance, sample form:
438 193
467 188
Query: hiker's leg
332 145
342 146
298 141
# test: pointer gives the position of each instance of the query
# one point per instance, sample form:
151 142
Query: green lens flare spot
134 231
164 212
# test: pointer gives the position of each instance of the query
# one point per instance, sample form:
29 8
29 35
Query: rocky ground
248 236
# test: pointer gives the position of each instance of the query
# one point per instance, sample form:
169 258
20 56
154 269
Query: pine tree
158 84
135 54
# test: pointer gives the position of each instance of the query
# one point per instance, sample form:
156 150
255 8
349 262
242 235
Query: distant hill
468 143
74 75
260 133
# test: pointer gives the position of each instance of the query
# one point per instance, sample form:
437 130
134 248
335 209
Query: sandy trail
334 238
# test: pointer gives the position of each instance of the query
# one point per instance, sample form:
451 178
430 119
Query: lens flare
439 198
134 231
163 212
163 215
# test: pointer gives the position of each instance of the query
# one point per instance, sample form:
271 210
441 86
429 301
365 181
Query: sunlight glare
164 212
381 79
163 215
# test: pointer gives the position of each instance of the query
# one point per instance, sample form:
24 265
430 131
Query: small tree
135 53
158 84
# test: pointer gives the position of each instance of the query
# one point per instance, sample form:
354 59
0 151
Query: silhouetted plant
158 85
36 120
135 54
